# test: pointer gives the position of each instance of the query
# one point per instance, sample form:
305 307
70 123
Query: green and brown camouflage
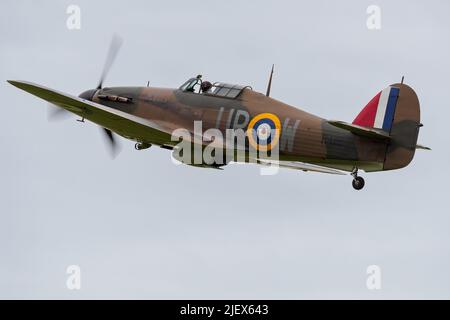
201 117
149 116
304 137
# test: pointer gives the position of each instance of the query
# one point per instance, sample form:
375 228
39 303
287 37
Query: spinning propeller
58 113
114 48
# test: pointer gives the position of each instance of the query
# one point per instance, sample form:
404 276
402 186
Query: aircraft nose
88 94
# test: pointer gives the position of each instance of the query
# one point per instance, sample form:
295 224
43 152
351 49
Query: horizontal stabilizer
371 133
419 146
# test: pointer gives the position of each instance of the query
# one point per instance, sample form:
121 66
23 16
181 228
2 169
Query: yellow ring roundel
264 131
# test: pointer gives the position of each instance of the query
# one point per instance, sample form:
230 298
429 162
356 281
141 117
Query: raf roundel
264 131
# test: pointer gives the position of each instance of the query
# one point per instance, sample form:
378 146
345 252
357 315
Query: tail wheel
358 183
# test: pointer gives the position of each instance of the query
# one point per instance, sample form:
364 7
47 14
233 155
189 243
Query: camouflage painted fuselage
304 137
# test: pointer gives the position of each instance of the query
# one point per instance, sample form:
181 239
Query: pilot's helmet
205 86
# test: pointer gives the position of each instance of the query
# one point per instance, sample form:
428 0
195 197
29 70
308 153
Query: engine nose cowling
88 94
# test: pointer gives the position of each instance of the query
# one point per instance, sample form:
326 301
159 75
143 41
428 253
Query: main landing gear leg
358 182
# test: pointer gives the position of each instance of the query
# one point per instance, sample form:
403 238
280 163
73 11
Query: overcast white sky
140 227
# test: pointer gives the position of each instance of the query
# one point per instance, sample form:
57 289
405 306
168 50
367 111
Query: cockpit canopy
226 90
218 89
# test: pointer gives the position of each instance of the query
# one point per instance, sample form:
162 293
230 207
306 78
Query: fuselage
304 137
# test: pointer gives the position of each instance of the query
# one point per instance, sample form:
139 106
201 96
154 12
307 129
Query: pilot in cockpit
206 87
193 83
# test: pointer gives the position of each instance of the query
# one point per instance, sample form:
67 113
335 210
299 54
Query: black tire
358 183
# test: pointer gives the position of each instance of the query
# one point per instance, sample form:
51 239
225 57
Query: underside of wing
118 121
300 166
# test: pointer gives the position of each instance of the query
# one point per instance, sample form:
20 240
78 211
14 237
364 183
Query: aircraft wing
361 131
102 115
300 166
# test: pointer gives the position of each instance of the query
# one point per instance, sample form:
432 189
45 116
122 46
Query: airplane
383 136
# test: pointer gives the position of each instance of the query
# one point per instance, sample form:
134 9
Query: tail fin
379 112
395 110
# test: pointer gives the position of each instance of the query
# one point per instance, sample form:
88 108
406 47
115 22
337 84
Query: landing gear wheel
358 183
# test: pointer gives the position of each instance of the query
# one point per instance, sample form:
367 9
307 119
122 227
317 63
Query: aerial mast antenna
269 85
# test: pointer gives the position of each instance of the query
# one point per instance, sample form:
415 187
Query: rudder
405 129
395 110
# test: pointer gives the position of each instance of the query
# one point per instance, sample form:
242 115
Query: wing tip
17 83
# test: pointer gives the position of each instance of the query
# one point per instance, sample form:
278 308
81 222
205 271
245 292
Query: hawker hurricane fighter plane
383 136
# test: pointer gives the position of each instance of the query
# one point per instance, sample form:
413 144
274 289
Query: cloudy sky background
140 227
